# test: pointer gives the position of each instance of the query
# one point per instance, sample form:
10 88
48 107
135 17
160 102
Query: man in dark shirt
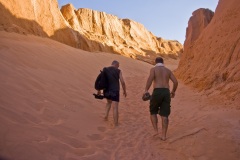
112 92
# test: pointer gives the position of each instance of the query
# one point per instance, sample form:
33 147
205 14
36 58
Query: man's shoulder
112 70
167 69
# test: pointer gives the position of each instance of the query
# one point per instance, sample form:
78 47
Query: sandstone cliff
125 36
41 18
84 28
211 58
197 23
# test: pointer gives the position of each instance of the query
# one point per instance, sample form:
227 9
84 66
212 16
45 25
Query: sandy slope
47 110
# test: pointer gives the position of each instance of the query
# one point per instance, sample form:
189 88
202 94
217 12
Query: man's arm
175 84
123 84
150 80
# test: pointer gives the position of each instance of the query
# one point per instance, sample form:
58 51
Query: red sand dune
47 110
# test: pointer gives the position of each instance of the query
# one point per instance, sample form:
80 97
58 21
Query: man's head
159 60
115 63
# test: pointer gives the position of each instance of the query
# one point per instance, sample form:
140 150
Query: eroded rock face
125 36
84 28
197 23
211 58
38 17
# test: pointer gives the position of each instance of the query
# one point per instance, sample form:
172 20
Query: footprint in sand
83 152
72 141
102 129
40 107
76 143
42 139
95 137
13 116
52 122
31 118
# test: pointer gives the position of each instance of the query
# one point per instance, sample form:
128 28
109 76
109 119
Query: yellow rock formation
124 36
85 29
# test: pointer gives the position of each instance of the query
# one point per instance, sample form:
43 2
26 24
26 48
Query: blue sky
164 18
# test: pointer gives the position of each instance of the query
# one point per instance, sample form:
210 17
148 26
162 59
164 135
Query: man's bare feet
113 126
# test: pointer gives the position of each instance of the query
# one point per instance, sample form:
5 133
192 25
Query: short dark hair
159 60
115 62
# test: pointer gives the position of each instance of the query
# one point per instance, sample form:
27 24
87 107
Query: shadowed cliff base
150 56
10 23
77 40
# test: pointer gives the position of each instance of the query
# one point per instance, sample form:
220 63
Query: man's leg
108 107
115 113
154 121
165 122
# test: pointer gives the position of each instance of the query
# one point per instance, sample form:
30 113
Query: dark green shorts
160 102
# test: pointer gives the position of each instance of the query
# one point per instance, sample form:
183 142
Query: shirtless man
114 75
161 96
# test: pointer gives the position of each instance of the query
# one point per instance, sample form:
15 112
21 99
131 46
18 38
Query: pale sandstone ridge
124 36
211 58
41 18
103 32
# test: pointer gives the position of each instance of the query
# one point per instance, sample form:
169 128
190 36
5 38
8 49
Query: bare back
161 77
